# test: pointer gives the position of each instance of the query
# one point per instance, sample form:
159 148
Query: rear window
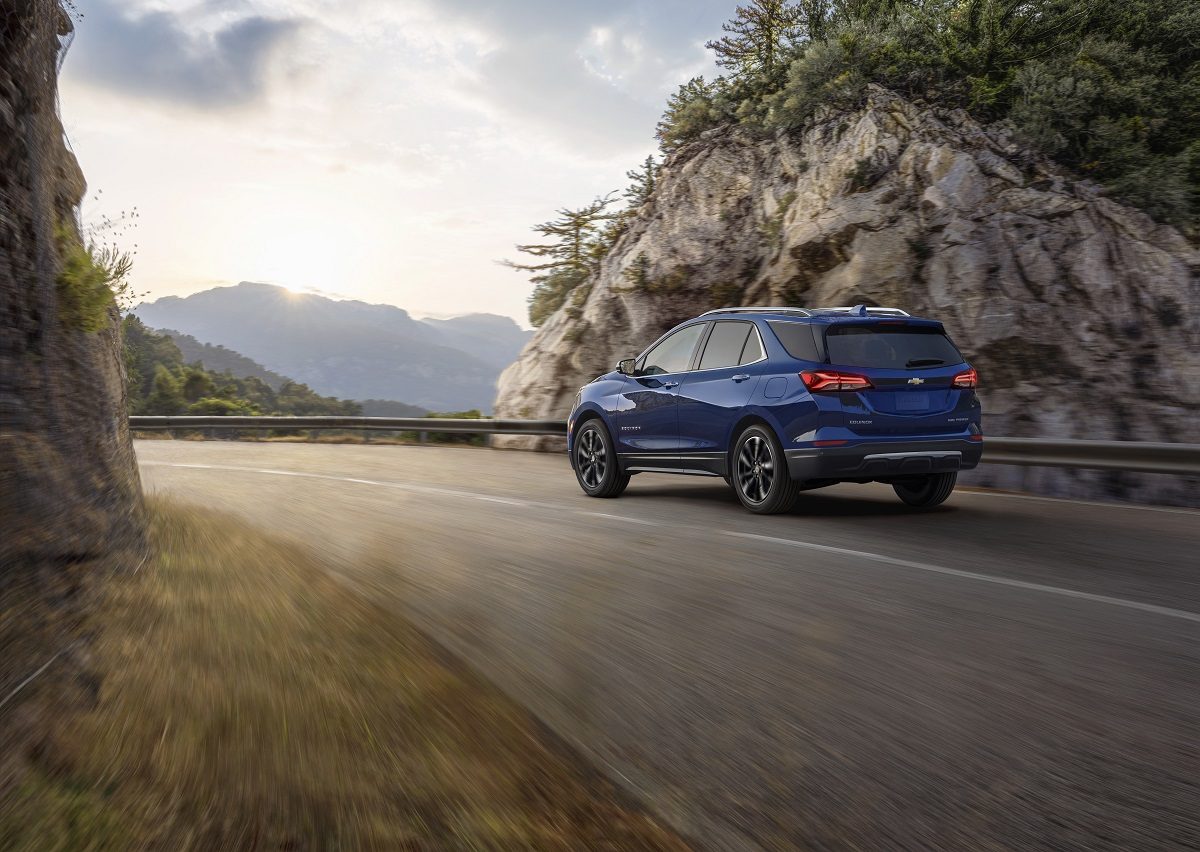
797 338
890 347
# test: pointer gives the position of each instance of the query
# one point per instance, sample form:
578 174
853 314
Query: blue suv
780 400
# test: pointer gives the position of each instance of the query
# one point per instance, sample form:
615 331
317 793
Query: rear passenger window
797 338
725 345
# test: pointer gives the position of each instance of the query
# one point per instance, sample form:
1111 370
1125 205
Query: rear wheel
760 475
925 492
595 462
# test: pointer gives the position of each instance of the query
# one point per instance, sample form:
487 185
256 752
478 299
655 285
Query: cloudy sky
385 150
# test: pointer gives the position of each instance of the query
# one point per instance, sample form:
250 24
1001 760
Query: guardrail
1134 456
385 424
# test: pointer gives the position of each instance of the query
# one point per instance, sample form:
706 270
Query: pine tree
760 34
573 254
690 110
644 180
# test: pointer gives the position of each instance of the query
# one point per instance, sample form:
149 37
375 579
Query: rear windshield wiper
924 362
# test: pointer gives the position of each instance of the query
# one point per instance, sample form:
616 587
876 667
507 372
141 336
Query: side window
674 354
797 338
725 345
753 350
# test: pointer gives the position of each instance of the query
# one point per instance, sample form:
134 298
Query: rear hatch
911 367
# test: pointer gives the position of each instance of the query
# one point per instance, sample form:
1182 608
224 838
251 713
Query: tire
595 462
927 491
759 473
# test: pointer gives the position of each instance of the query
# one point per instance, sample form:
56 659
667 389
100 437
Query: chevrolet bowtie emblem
915 381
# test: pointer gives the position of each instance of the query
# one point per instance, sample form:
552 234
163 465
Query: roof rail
805 312
863 311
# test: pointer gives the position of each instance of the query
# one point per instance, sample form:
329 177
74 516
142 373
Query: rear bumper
884 460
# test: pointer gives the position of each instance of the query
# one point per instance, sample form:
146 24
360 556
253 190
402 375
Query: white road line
623 518
984 492
399 486
971 575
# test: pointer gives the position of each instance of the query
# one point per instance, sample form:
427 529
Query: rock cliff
69 493
1080 313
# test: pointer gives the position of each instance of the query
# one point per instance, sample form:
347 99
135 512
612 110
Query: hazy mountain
350 349
490 338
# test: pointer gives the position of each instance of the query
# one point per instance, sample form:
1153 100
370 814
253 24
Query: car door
648 422
712 397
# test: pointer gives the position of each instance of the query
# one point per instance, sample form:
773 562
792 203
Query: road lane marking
399 486
971 575
624 518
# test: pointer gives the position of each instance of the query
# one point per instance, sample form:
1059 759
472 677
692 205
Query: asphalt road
1005 672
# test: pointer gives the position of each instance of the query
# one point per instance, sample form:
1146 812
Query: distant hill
390 408
219 359
350 349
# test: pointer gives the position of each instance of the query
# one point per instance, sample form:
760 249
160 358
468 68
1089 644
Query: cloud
591 77
170 56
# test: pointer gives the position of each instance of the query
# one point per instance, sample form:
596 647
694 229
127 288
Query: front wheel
925 492
760 473
595 462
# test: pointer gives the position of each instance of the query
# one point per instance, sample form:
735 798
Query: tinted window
725 344
675 353
797 338
753 350
890 347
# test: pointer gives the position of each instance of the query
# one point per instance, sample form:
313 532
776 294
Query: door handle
670 384
741 377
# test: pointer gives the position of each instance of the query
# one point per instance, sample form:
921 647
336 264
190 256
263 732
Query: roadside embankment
247 699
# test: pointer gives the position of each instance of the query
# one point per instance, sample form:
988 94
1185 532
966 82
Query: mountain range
348 349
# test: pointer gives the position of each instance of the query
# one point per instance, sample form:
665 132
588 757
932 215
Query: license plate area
912 402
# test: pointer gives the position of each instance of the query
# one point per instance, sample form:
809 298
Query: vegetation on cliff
1108 88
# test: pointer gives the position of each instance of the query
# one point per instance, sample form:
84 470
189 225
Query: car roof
819 315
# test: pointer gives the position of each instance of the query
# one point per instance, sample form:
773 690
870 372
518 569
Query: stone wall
70 504
1080 313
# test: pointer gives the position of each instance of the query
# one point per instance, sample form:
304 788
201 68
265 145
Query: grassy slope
249 701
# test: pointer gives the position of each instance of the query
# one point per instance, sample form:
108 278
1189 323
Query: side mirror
627 366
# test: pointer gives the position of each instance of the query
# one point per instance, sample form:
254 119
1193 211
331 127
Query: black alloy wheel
760 474
595 462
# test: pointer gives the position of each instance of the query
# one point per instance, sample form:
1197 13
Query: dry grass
250 701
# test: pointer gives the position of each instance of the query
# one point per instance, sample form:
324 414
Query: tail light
967 379
831 380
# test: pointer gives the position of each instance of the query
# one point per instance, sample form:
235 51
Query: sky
384 151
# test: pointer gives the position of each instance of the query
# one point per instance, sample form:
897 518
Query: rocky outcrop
1080 313
69 493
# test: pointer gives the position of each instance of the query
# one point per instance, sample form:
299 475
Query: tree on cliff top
644 180
759 36
573 252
